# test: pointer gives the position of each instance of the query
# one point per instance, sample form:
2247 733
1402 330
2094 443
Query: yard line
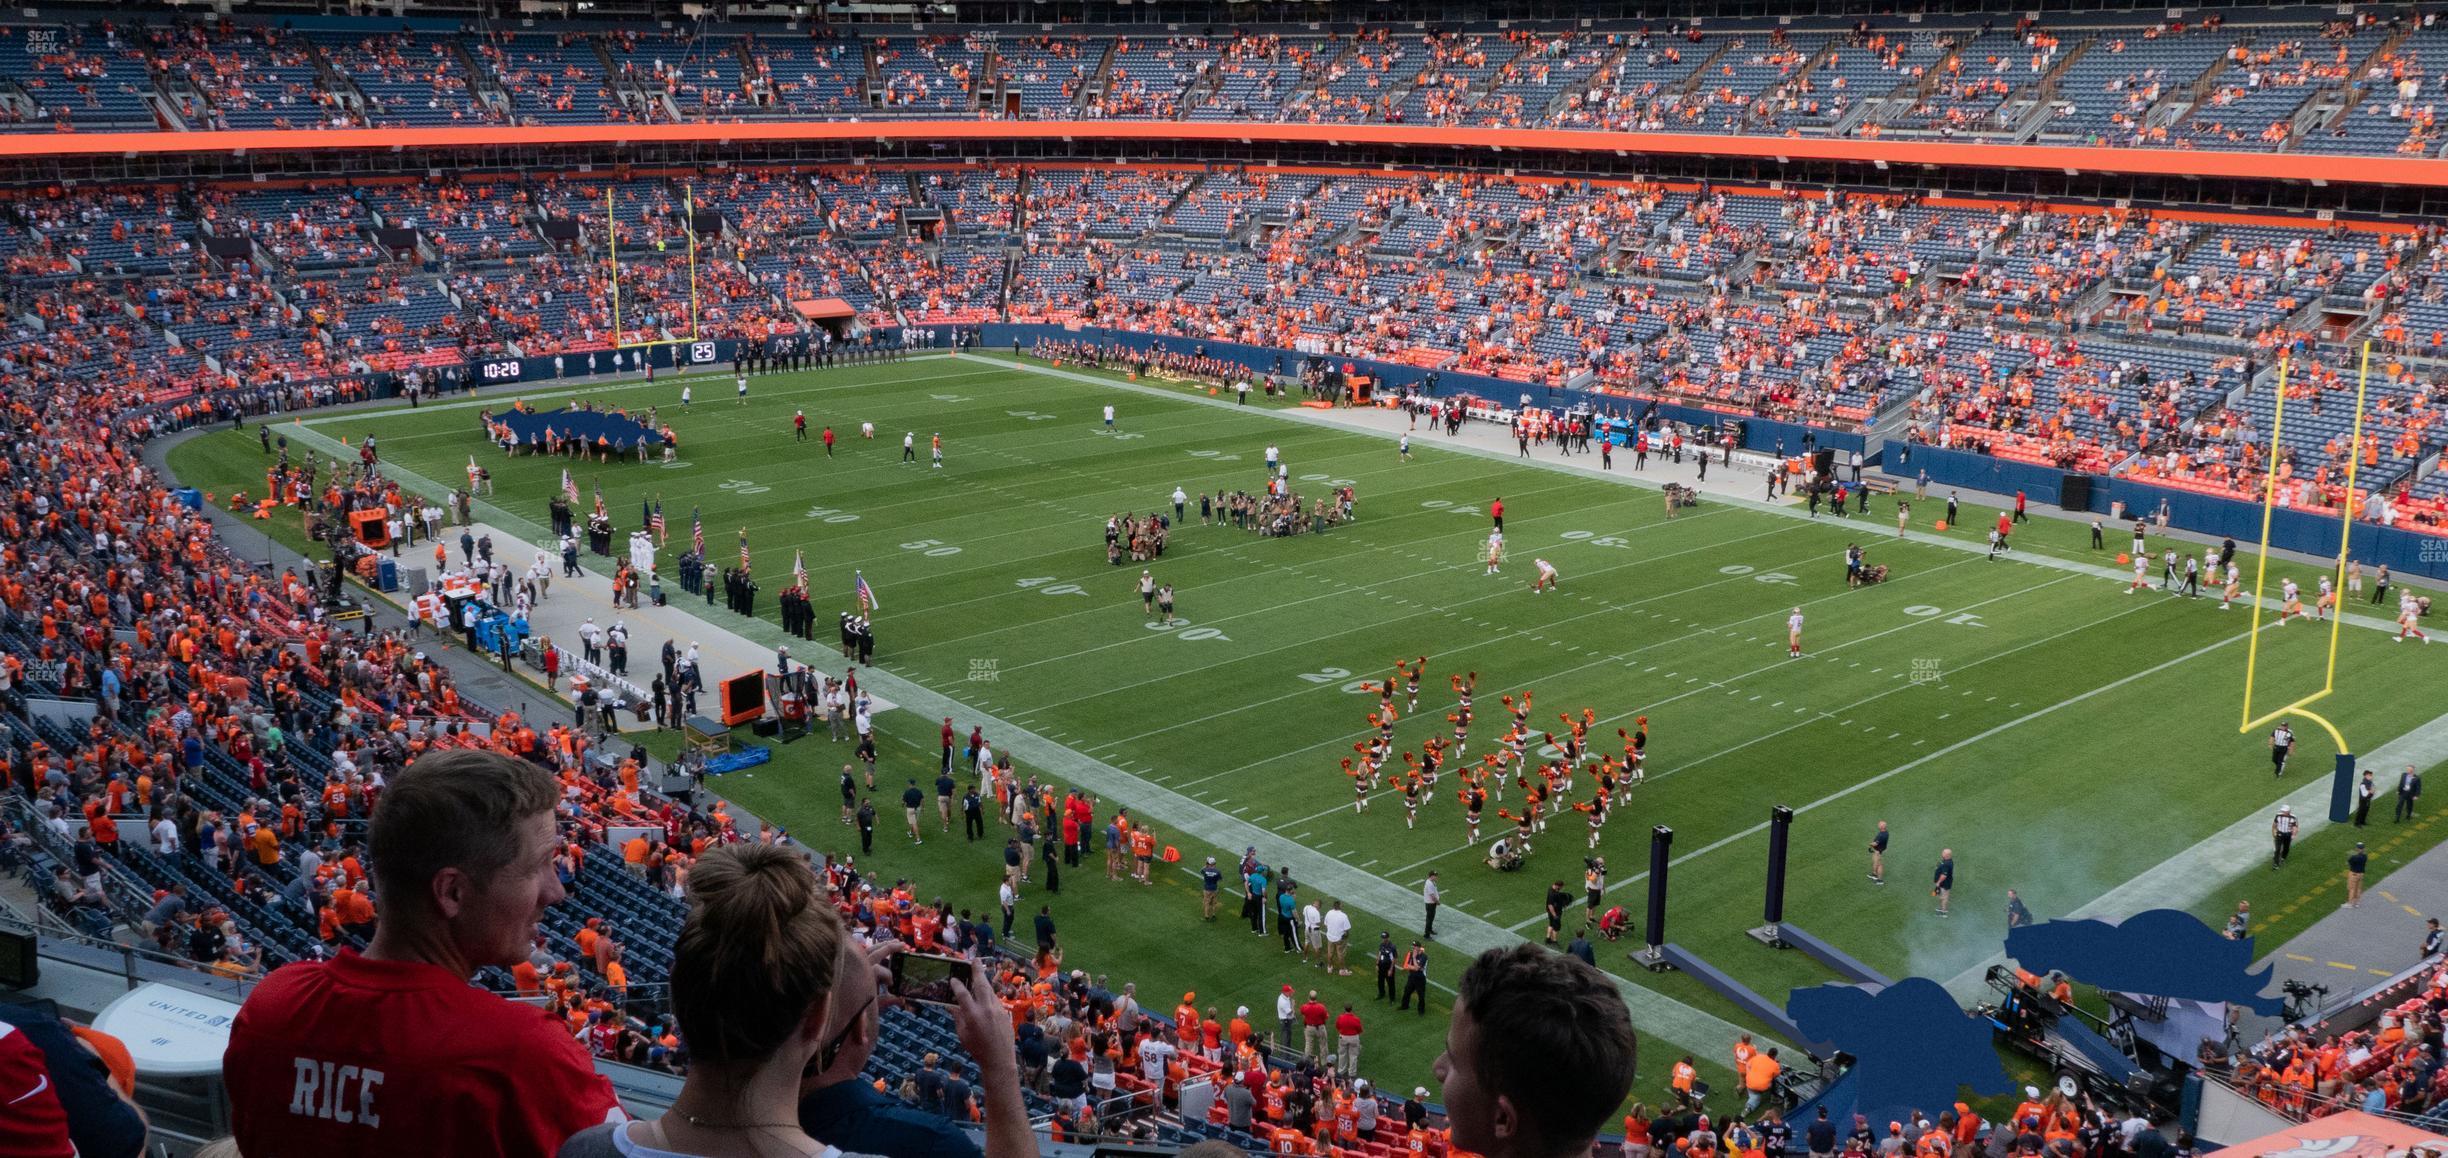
1950 749
1826 715
1973 547
2190 876
1442 651
1348 737
1293 568
1340 591
1658 1014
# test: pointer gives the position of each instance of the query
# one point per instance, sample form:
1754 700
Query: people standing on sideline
1878 855
2282 834
2357 862
2431 938
2409 790
1415 979
2365 791
1430 897
1942 880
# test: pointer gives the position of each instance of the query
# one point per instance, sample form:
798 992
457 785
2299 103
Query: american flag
866 595
799 570
645 514
569 488
655 521
696 533
743 548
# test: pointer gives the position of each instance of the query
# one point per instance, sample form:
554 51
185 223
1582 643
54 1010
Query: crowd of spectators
2355 84
2090 339
2392 1066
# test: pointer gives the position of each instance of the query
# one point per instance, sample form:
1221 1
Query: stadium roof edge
2421 172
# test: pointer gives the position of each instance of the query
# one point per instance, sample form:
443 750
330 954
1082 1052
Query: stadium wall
2306 532
1764 434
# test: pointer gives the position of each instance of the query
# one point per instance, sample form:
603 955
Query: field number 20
1181 629
1329 675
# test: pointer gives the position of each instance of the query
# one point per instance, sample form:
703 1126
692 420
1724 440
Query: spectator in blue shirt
1287 918
1253 902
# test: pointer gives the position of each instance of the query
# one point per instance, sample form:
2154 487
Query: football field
2060 736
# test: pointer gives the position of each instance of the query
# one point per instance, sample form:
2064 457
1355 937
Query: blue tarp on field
620 431
748 757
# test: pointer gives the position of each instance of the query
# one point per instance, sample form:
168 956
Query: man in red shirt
1496 512
31 1120
392 1052
1347 1043
1313 1027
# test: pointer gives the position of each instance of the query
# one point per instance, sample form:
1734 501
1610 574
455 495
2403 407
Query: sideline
1695 1030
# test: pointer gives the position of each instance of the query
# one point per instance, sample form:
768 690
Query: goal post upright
2341 795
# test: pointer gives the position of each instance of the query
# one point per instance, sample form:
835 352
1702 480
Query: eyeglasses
825 1057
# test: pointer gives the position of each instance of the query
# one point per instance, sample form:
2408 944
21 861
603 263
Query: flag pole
689 199
612 247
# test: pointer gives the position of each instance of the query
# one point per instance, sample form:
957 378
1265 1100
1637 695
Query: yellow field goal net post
2341 789
620 331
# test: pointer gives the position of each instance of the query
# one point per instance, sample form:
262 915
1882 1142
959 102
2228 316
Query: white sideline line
1950 749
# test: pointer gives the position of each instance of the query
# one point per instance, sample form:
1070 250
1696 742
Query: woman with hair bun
766 984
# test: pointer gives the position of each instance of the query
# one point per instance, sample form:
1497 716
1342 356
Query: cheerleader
1474 801
1596 810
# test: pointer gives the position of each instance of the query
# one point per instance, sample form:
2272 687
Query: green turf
1945 702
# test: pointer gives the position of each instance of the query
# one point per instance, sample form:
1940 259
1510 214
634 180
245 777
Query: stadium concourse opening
355 803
